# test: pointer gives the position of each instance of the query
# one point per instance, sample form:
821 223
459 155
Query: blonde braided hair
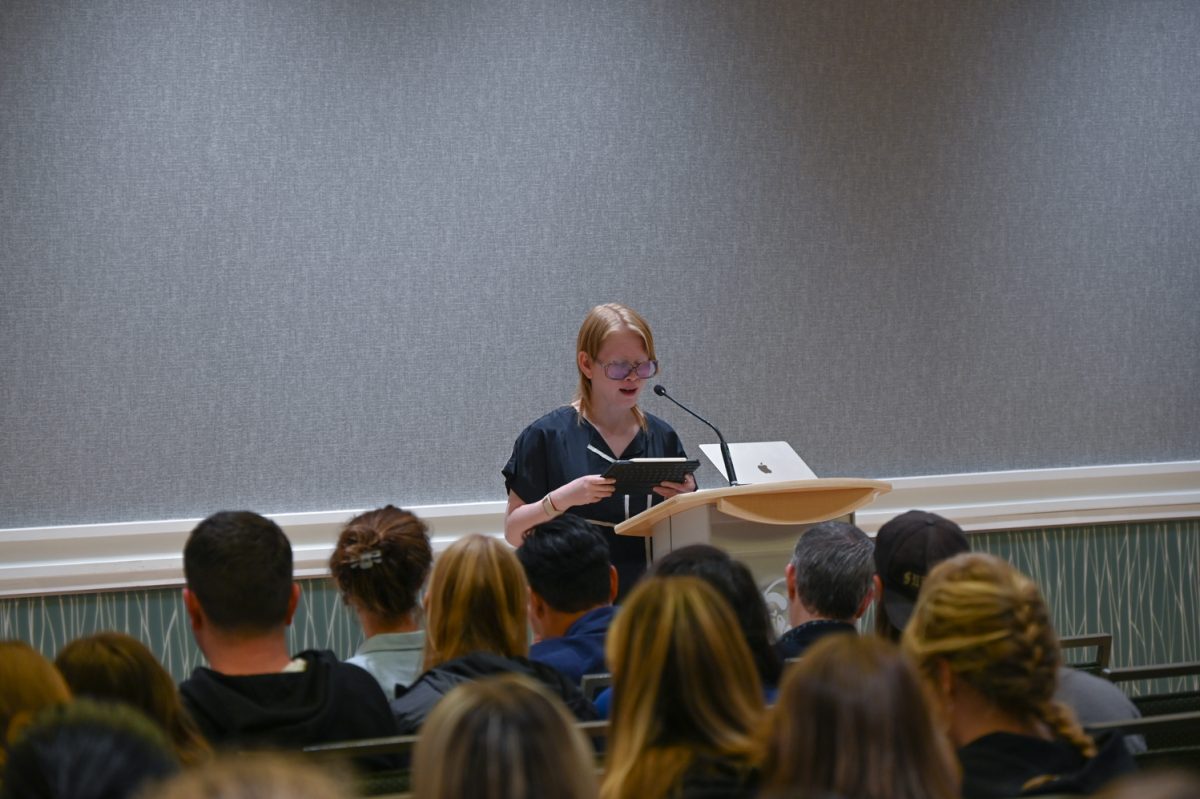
989 623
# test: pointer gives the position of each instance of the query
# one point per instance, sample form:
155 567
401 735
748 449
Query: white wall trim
123 555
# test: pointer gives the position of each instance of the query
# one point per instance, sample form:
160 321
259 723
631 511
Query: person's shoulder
655 424
562 417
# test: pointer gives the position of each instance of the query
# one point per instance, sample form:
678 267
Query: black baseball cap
906 549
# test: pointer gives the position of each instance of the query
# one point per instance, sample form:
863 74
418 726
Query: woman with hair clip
981 636
380 563
476 612
503 737
853 720
686 696
557 461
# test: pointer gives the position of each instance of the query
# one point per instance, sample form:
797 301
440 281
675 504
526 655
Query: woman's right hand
583 491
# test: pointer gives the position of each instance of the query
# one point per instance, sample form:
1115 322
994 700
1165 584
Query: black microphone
725 456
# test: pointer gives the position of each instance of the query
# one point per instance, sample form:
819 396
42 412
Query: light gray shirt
392 659
1096 700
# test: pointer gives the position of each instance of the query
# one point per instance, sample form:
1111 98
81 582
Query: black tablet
641 475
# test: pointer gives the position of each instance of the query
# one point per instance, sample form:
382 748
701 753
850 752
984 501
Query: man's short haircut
834 564
239 567
567 563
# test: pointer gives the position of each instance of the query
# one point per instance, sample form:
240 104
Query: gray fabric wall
312 255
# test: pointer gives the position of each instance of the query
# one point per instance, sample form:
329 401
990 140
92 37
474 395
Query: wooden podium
757 524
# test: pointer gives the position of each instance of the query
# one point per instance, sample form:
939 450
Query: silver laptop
761 462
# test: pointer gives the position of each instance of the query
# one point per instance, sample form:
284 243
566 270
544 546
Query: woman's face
621 346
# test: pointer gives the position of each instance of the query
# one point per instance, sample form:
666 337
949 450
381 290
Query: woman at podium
557 461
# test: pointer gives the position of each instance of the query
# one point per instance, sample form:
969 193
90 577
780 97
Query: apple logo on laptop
764 468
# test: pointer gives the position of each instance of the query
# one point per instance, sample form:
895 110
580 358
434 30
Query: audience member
735 583
852 720
476 625
503 737
981 635
1160 784
240 599
28 683
829 585
572 586
255 776
906 550
380 563
686 697
87 750
117 667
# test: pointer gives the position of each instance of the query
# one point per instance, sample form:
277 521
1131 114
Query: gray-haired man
829 583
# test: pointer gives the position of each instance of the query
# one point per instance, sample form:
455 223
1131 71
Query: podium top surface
791 502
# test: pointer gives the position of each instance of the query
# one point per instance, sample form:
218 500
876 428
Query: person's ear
867 599
614 584
585 364
194 610
537 605
293 601
877 588
789 574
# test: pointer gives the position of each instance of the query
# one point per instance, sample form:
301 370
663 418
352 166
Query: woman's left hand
668 489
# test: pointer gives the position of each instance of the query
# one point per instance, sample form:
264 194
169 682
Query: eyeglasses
619 370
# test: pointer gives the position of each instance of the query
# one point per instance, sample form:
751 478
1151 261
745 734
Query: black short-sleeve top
553 451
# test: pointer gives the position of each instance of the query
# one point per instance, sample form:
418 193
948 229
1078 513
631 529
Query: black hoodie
329 701
411 706
1003 764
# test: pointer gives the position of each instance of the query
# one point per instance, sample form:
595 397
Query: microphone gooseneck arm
731 476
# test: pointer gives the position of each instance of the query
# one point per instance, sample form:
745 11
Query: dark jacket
1003 764
797 640
411 706
329 701
581 650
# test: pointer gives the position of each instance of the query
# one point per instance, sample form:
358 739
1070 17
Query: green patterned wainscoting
1141 582
158 618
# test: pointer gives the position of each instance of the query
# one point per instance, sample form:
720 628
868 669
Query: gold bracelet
548 507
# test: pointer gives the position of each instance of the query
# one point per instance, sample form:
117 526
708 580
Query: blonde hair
477 601
684 686
255 776
990 625
853 719
28 683
601 322
502 737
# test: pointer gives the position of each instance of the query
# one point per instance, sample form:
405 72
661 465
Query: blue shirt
553 451
581 650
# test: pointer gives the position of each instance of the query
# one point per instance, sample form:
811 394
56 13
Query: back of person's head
87 750
683 687
906 550
567 564
238 565
833 565
989 626
853 720
735 583
1163 783
502 737
477 601
28 683
381 561
117 667
255 776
